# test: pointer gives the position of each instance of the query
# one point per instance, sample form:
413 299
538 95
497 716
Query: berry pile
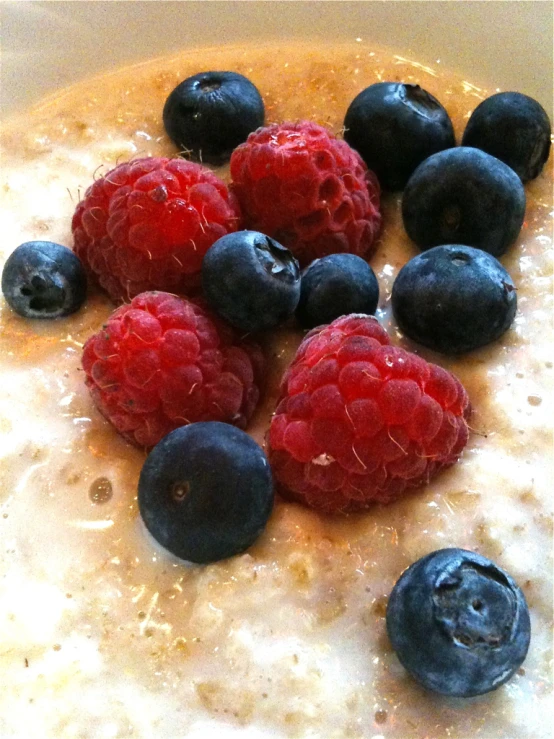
360 421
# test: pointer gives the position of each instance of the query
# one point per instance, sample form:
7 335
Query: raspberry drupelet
360 421
147 224
299 184
162 362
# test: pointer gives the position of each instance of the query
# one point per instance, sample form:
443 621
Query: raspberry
360 421
147 224
162 362
307 189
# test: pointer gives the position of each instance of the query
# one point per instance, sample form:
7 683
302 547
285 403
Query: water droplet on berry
159 194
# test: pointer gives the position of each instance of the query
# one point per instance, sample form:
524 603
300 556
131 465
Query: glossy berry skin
361 422
514 128
42 279
395 126
334 286
147 224
458 623
454 299
464 196
251 280
304 187
161 362
209 114
205 492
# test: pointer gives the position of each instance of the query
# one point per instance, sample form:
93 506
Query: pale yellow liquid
105 635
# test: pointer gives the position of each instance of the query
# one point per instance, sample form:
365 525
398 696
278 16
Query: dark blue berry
211 113
334 286
395 127
514 128
464 196
251 280
454 299
205 492
458 623
44 280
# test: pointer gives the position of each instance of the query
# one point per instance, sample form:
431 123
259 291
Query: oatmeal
106 635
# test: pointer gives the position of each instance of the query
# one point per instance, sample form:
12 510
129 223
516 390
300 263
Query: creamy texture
103 633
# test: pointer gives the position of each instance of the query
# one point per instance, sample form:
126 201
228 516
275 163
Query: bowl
48 45
59 664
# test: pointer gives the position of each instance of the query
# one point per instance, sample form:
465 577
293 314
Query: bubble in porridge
100 491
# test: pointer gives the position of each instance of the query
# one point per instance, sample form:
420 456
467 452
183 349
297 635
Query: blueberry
44 280
334 286
458 623
211 113
454 299
251 280
205 491
395 127
514 128
464 196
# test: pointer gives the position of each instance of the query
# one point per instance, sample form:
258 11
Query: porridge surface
105 635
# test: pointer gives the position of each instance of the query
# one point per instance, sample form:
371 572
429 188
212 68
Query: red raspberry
147 224
360 421
162 362
307 189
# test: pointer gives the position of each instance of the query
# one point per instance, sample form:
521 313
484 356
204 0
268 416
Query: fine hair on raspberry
301 185
360 421
162 362
147 224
